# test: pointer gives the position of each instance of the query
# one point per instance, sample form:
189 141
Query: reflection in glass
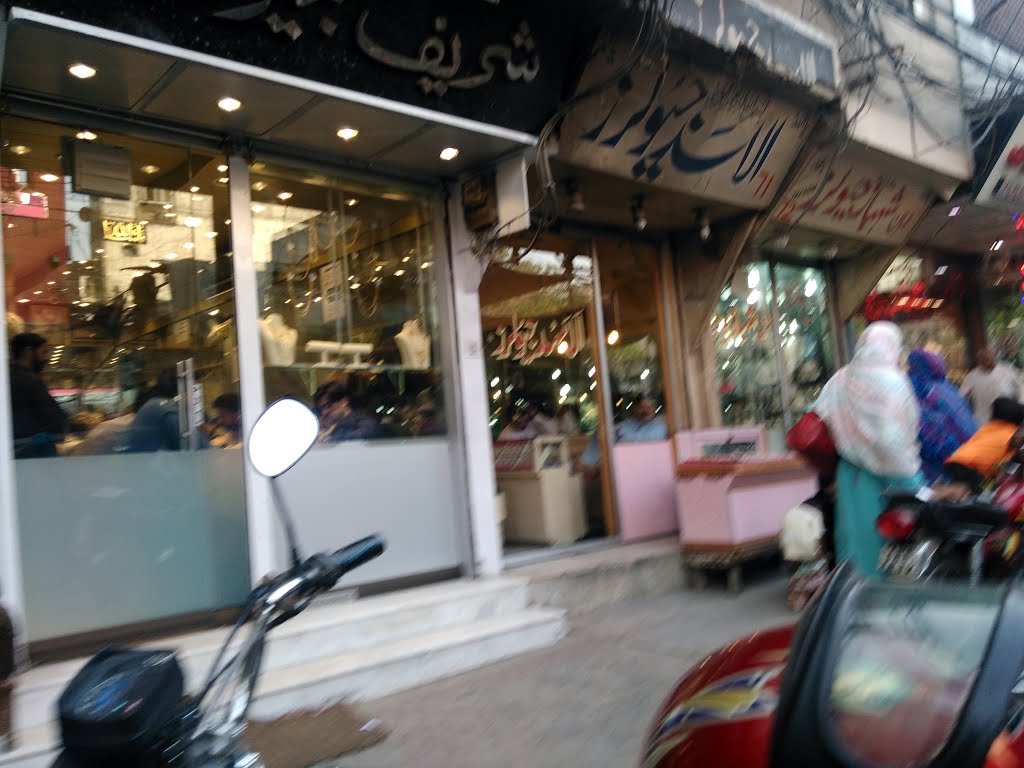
347 296
804 332
130 287
745 350
906 664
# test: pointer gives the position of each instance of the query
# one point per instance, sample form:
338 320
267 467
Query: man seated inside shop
522 425
225 429
643 425
977 460
342 417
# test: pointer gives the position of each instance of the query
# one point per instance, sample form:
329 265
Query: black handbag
120 706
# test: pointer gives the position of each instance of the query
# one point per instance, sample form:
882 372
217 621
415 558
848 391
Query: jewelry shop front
176 283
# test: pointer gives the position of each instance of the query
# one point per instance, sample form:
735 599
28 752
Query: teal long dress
859 501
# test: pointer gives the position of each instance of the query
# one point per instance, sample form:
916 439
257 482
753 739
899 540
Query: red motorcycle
877 674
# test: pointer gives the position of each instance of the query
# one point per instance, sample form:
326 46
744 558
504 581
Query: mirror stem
286 521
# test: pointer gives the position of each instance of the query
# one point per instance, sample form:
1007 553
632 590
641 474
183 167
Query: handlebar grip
355 555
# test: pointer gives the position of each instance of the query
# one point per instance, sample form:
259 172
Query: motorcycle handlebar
352 556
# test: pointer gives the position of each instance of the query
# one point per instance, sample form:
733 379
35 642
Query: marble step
364 674
320 632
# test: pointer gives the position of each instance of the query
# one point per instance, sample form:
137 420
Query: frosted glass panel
400 489
114 540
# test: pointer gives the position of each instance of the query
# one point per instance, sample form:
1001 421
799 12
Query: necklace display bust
413 346
279 340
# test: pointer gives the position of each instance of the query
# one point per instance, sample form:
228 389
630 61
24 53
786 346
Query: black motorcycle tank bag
119 705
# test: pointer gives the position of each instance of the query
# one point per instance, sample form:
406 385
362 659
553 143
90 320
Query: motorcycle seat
968 518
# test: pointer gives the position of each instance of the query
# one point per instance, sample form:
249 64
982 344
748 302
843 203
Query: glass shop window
349 309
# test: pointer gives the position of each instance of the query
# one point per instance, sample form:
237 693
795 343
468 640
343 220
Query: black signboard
497 61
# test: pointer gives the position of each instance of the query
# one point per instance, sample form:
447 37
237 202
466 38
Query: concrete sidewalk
585 703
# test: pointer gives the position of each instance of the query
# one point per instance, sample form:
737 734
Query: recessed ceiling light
193 189
86 136
223 180
144 222
82 71
347 134
171 256
229 104
211 234
23 301
284 196
150 169
351 202
49 178
20 149
449 153
257 208
193 221
222 168
399 272
259 186
167 206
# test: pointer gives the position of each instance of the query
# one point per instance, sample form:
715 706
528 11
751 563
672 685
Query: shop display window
773 345
537 317
633 341
348 304
117 255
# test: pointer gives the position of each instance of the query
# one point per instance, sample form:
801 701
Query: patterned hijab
870 407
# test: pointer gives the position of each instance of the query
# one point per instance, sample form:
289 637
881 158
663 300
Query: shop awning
171 86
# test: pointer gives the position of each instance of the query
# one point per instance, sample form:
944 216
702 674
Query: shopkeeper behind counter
643 426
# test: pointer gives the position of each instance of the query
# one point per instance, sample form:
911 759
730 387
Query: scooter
877 673
127 707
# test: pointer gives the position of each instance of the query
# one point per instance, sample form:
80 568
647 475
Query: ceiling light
639 215
259 186
99 250
66 272
557 372
189 247
82 71
211 235
449 153
257 208
49 178
229 104
193 221
167 206
223 180
150 169
347 134
399 272
425 265
613 337
356 285
996 245
86 136
284 195
171 256
644 374
144 222
941 270
193 189
20 149
23 301
222 168
954 211
705 225
351 202
563 347
227 222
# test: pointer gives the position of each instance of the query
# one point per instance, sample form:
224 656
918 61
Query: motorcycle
943 539
876 673
127 707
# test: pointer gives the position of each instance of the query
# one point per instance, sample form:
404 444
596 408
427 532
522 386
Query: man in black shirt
34 411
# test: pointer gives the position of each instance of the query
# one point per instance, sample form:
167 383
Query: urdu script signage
854 200
686 130
527 340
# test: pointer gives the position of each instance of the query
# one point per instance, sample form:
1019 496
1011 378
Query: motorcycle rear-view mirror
282 435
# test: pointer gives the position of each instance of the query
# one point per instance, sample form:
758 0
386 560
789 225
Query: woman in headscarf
947 421
871 411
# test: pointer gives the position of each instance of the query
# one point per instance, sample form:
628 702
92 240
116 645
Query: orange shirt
989 447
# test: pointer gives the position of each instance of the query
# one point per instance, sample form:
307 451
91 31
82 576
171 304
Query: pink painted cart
731 510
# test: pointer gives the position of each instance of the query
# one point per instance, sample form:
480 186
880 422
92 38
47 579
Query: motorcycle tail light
896 524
